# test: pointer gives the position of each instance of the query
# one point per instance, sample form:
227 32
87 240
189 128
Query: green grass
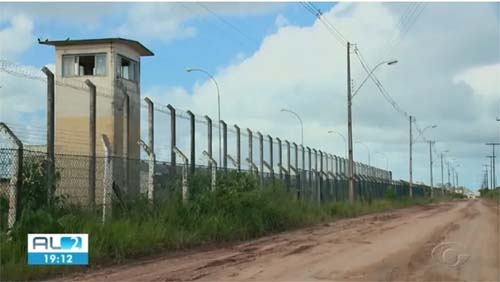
491 194
239 210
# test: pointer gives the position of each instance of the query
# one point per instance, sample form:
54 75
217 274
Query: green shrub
239 209
391 194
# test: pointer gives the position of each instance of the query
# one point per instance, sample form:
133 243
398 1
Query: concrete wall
72 104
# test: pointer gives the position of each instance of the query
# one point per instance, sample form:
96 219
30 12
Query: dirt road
457 241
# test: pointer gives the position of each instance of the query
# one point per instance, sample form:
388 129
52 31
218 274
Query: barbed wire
80 138
31 73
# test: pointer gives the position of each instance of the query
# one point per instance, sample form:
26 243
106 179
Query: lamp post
388 62
367 149
301 124
430 165
412 119
218 104
343 137
350 95
442 170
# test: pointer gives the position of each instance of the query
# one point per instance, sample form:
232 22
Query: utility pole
442 171
349 126
448 165
430 163
453 178
492 171
411 157
493 168
486 176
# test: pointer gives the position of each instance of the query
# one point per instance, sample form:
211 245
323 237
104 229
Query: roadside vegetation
491 194
238 210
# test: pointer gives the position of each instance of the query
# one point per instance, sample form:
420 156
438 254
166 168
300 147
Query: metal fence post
288 163
296 154
250 146
288 156
92 143
193 144
271 155
173 139
296 171
303 172
238 148
50 135
209 143
16 179
326 162
151 127
315 159
213 168
316 182
336 164
107 179
151 169
185 191
321 173
310 166
224 144
261 157
280 157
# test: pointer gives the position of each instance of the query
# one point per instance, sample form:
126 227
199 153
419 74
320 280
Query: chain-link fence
157 151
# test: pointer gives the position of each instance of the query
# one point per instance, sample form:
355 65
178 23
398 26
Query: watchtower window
86 65
127 68
80 65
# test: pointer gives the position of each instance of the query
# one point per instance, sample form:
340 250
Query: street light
301 124
412 119
343 137
388 62
368 149
218 104
350 95
386 159
421 134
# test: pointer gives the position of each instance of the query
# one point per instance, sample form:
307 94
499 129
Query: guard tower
113 66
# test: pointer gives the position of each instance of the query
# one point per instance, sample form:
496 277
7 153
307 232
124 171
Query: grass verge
238 210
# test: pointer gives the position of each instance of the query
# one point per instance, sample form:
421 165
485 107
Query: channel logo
58 249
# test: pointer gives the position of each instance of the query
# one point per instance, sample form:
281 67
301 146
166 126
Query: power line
385 93
327 24
406 23
320 15
228 23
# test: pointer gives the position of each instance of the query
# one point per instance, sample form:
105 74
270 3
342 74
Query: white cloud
22 104
17 37
168 21
304 69
484 80
164 21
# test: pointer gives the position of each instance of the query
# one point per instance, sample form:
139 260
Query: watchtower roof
135 45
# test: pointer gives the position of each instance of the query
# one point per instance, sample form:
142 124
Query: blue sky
287 59
216 43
